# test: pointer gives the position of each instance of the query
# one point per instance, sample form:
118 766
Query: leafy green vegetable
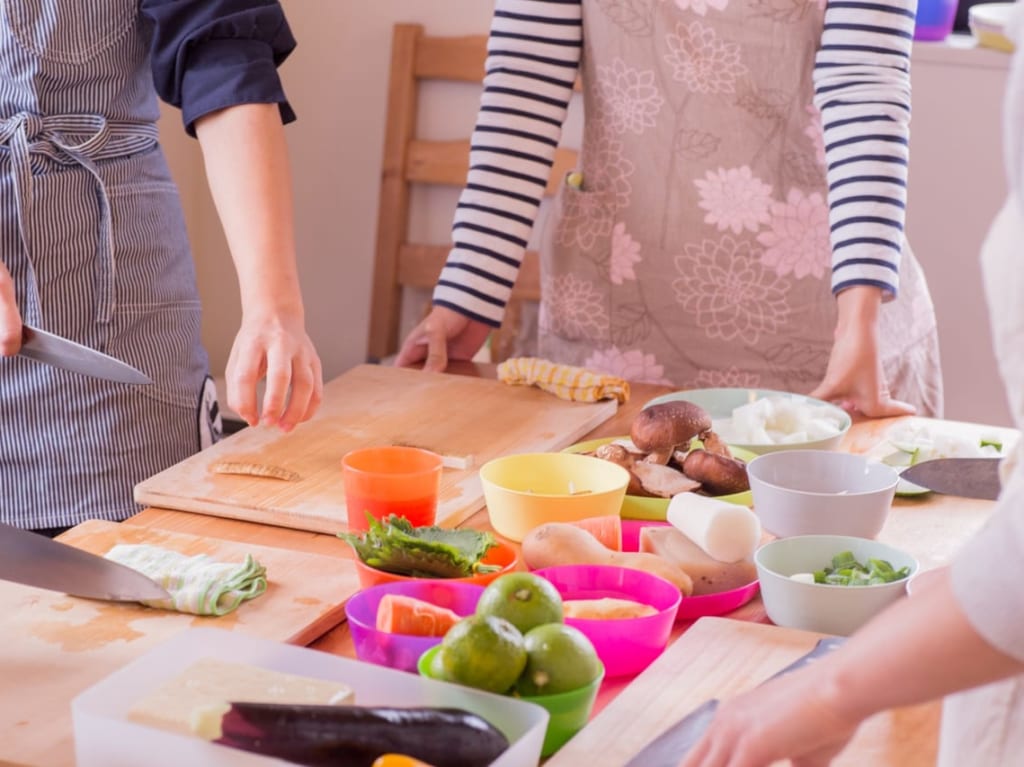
992 443
395 546
847 571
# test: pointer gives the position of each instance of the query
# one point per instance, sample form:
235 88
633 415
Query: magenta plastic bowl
692 608
625 646
402 651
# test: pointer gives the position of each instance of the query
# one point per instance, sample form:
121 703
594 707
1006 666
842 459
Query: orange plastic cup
404 481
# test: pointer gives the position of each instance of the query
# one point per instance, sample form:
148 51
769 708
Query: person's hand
444 335
786 717
278 349
854 377
10 318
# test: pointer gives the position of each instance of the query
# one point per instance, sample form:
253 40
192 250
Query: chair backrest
399 263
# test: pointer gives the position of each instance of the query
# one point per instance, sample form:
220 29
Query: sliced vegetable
847 571
356 735
607 530
401 614
395 546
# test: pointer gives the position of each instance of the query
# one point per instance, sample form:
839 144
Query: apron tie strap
81 140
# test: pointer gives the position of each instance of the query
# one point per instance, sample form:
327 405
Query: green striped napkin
199 584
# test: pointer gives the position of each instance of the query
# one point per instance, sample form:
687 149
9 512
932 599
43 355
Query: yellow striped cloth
567 382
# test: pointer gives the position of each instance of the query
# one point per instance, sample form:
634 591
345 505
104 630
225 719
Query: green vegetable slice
845 570
395 546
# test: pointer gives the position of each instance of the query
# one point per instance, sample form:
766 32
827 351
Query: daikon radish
726 531
400 614
709 575
607 530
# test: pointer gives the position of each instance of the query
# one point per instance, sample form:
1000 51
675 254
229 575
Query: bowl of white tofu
765 420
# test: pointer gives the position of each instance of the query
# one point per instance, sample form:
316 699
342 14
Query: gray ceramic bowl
819 607
821 492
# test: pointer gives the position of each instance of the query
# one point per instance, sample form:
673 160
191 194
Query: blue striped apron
92 231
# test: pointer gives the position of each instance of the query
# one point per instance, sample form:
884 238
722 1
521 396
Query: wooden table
931 527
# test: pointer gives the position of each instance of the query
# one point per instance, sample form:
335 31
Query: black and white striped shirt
862 87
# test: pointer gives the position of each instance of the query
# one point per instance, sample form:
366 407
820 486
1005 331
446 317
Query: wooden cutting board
717 658
55 646
375 405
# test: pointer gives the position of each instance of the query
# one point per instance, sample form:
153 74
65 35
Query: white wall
337 82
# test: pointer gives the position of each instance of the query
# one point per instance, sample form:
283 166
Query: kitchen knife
45 347
965 477
36 560
672 745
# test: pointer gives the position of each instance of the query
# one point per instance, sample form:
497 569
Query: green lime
482 651
560 658
523 599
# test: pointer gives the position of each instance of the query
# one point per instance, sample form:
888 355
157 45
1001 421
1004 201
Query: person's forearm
247 169
919 649
858 306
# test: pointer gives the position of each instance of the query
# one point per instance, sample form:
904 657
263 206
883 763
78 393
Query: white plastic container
105 738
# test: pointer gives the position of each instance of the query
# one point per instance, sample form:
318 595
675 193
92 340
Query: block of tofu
709 575
210 682
606 608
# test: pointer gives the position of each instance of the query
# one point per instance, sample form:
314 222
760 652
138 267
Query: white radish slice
726 531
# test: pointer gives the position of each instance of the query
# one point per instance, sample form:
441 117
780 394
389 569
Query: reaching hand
277 348
10 317
444 335
787 717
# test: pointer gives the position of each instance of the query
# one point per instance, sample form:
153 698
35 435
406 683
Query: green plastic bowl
656 509
568 711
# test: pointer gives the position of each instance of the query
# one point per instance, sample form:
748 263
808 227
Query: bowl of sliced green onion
832 584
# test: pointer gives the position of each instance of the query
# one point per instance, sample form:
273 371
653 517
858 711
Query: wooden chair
399 263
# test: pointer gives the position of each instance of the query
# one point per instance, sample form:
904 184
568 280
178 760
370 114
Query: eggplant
355 736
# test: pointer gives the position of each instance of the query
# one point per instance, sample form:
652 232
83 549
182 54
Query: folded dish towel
198 584
568 382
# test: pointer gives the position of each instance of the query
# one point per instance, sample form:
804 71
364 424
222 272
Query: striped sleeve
862 88
533 55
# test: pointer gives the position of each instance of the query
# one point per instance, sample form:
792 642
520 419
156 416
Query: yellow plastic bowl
526 490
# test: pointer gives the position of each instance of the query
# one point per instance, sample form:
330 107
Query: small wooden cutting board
374 405
718 658
55 646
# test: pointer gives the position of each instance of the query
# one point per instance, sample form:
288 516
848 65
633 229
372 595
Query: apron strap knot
81 140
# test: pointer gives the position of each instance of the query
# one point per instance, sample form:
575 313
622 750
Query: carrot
607 530
399 614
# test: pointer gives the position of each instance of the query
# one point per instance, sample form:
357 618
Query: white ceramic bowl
821 607
821 492
720 404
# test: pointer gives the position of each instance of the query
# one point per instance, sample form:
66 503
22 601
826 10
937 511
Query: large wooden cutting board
375 405
55 646
717 658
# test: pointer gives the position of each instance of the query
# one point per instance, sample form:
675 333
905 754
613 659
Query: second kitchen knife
672 745
965 477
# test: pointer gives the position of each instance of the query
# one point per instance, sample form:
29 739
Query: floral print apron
692 248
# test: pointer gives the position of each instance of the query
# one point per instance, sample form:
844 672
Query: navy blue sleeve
212 54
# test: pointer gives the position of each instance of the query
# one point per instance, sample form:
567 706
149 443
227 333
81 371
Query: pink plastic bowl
402 651
625 646
692 608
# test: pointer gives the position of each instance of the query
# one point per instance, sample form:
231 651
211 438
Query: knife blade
672 745
35 560
965 477
64 353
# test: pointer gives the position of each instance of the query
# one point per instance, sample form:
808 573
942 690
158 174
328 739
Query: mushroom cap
668 424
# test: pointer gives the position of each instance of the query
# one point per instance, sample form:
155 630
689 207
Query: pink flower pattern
734 199
732 377
797 241
631 364
703 61
731 294
575 309
814 132
625 253
630 99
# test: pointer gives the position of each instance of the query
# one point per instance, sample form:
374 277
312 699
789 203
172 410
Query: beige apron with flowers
695 251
